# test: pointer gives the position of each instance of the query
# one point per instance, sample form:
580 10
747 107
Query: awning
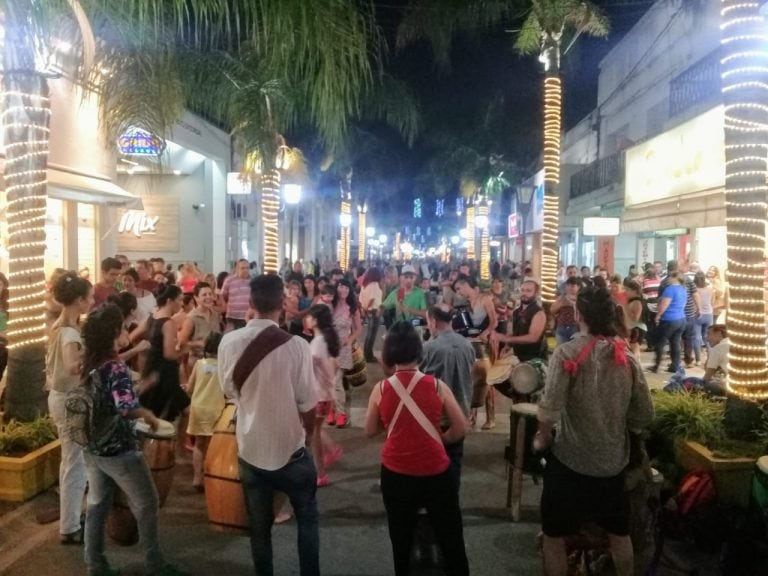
80 187
690 211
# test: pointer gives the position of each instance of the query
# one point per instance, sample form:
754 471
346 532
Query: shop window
54 236
86 240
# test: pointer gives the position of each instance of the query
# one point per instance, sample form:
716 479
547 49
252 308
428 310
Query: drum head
525 379
164 430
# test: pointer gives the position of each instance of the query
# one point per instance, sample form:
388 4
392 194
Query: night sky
484 70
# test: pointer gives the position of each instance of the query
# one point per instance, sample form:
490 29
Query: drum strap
268 339
410 404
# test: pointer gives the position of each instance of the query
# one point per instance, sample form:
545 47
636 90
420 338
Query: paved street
354 540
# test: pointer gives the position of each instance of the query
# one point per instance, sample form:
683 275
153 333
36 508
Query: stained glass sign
138 142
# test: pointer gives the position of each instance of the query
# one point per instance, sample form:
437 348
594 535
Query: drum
358 375
498 375
480 374
224 497
462 322
159 448
528 377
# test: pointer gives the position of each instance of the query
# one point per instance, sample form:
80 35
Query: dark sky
484 69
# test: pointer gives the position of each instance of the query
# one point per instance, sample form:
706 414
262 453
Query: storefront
81 191
184 212
674 193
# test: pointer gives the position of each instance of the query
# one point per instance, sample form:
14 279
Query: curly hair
125 301
599 311
324 318
69 287
99 332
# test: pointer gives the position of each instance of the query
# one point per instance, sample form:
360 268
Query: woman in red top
414 464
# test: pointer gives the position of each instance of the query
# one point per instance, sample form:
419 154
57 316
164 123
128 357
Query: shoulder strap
412 407
268 339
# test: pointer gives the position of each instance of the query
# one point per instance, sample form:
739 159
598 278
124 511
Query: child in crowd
207 404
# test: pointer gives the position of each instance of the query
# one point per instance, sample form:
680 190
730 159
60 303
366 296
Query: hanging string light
270 208
551 209
26 118
744 69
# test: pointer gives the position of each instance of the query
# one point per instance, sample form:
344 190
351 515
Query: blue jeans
130 473
671 331
701 334
689 339
298 479
370 336
456 455
565 333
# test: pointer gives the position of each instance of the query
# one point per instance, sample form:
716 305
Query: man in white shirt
717 360
275 422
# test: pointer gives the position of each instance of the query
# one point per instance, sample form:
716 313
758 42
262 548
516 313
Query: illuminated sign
138 223
138 142
685 159
154 229
601 226
513 230
237 185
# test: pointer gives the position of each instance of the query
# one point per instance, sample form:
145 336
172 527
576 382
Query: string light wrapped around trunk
397 247
26 119
744 69
345 219
362 212
551 209
471 254
270 208
485 249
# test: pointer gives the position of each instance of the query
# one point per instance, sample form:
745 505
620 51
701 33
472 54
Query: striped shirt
236 292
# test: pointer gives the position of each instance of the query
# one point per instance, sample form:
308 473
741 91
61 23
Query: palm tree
323 48
544 30
746 144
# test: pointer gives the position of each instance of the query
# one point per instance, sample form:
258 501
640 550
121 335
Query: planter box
25 477
733 476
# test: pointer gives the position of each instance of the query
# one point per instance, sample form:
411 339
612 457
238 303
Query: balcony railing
599 174
698 83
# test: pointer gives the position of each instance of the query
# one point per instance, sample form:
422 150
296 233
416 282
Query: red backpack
696 489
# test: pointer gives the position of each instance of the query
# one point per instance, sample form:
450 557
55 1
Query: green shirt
414 299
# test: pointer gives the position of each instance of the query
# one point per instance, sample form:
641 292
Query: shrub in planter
18 439
29 458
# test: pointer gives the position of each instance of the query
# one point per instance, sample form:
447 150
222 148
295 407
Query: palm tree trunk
26 115
552 134
746 145
270 207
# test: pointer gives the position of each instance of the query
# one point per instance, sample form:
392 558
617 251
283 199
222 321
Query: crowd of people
177 345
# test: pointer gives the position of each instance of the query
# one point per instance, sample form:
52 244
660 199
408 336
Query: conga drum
500 372
358 375
159 449
224 497
528 377
480 374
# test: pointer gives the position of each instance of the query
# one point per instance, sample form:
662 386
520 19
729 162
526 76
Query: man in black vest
528 324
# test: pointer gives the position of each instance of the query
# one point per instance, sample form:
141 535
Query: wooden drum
528 377
358 375
500 372
159 450
224 497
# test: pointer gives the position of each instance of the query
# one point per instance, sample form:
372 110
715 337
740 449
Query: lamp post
291 197
481 222
524 197
362 214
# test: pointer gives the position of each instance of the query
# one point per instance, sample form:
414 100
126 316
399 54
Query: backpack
91 419
696 489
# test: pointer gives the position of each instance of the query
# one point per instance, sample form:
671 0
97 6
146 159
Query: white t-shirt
324 367
57 377
372 291
718 356
269 429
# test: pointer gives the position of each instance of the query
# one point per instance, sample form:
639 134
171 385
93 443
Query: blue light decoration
459 206
417 213
439 207
418 230
138 142
429 230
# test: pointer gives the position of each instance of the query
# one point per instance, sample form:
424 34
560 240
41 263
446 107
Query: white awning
79 187
690 211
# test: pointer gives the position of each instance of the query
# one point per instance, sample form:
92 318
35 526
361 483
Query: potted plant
30 454
692 429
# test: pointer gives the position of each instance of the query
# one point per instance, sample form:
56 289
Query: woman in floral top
119 461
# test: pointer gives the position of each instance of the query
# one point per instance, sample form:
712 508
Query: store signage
601 226
138 223
689 158
513 230
154 229
605 251
237 185
138 142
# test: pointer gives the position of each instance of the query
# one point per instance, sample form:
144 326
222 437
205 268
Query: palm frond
391 101
589 19
528 40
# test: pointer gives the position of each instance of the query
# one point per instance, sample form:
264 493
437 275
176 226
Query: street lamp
383 238
291 197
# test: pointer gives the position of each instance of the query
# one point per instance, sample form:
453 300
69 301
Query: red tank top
409 449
